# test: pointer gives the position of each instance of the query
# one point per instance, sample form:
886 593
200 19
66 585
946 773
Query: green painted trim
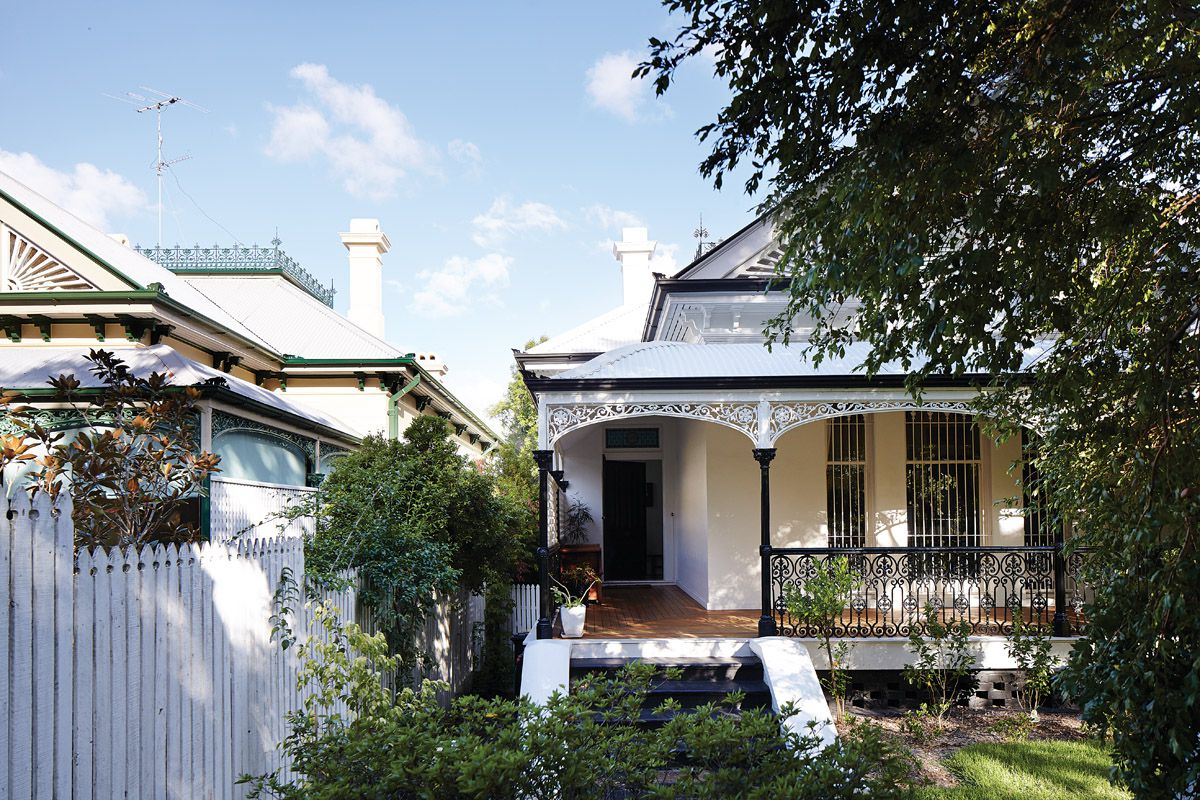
394 410
292 361
100 262
206 509
458 404
99 297
55 298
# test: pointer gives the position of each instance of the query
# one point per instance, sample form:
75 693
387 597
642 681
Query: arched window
260 456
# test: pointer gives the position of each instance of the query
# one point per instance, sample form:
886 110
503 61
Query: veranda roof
27 368
733 360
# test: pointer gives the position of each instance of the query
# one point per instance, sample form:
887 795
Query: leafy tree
133 466
414 518
515 470
982 178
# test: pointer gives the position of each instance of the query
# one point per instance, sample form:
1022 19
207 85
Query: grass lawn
1030 770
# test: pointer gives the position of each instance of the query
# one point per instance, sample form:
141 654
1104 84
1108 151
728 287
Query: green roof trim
139 295
402 361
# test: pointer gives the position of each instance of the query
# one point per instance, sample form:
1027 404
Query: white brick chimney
366 244
634 252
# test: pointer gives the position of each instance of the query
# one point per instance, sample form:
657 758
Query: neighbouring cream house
300 384
719 472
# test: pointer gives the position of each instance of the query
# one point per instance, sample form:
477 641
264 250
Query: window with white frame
942 469
846 481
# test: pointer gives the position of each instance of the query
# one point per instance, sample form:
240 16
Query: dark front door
624 520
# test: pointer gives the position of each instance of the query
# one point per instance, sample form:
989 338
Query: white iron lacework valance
763 423
565 418
787 415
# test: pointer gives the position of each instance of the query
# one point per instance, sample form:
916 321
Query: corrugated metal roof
274 308
31 367
614 328
131 264
682 360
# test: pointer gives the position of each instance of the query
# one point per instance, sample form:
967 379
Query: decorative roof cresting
238 259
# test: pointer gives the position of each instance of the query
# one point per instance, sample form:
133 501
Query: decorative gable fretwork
762 422
25 267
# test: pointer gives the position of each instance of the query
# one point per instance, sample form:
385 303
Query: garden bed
981 753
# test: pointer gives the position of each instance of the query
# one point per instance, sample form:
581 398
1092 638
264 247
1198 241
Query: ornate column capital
764 455
544 458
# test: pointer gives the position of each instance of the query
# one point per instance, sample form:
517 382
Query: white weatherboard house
299 383
718 472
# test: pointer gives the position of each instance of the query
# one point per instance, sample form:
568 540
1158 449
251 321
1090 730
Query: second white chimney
634 252
366 244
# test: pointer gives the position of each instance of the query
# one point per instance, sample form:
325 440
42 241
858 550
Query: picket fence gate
141 672
526 607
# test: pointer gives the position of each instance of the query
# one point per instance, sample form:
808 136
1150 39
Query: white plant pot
572 621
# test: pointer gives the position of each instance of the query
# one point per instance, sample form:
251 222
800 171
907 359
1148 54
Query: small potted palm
571 598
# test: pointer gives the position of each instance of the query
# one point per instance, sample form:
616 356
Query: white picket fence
526 607
242 509
140 673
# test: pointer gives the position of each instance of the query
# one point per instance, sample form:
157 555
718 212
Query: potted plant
572 600
575 522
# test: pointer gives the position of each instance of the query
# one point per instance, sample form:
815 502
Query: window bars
1041 529
942 475
846 481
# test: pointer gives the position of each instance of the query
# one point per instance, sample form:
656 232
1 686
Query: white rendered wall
691 514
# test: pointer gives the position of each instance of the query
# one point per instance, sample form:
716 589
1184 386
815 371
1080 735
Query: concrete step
691 669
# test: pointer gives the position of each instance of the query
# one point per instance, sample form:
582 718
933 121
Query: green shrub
819 603
353 741
1030 648
944 661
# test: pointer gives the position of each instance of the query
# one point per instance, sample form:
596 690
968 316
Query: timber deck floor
663 612
667 612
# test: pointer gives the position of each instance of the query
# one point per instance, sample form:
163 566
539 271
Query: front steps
700 681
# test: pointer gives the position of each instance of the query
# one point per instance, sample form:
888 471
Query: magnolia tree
1007 187
131 462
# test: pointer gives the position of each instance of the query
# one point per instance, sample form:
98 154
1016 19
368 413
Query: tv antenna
156 101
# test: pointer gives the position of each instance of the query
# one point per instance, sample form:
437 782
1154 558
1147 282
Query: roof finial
277 241
701 235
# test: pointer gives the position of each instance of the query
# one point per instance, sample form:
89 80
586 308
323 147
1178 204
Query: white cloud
451 290
464 152
665 259
94 195
612 87
504 219
369 143
607 217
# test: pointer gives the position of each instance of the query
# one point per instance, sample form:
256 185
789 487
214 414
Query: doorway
633 523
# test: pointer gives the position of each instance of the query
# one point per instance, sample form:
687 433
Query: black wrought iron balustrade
987 587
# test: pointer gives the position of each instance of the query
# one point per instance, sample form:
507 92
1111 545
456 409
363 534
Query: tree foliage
586 744
979 178
414 518
514 467
132 466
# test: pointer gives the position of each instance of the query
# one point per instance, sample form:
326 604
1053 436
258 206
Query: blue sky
499 144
